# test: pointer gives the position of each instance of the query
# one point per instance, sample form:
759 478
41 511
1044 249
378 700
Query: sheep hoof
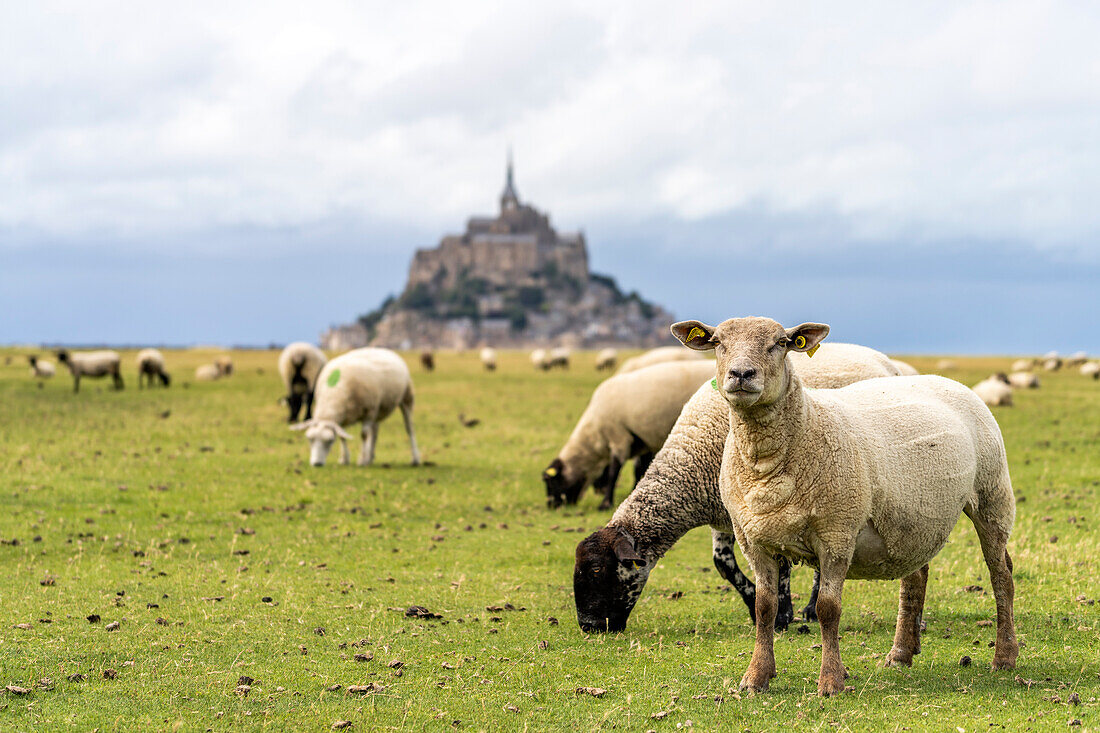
784 618
827 687
1003 663
756 682
809 613
898 658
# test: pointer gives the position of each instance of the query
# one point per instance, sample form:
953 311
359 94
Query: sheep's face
752 368
607 579
321 434
561 486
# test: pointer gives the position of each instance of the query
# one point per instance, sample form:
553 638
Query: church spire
509 199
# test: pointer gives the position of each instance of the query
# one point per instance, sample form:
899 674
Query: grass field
190 517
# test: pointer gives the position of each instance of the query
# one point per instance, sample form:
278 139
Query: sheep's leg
345 457
994 542
294 403
641 465
831 679
309 405
762 666
76 383
810 611
910 609
785 613
370 435
117 377
726 562
613 470
406 413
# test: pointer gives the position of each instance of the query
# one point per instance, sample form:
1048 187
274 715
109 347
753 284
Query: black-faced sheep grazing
93 364
679 492
995 391
606 358
150 366
364 385
41 368
629 416
866 481
299 365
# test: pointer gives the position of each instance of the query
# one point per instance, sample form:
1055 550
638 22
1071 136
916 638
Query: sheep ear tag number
333 378
811 352
696 332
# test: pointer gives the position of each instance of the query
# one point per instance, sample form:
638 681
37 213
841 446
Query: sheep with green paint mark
364 385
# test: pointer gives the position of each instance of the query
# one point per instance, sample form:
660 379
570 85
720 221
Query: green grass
136 517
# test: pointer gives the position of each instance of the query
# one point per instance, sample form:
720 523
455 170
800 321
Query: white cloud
937 120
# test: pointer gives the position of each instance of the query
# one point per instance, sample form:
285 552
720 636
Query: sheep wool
657 356
1091 369
208 373
41 368
679 492
1023 365
904 368
540 359
606 358
1023 380
364 385
94 364
299 365
488 358
150 366
995 391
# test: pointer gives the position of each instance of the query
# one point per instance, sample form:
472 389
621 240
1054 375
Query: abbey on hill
509 280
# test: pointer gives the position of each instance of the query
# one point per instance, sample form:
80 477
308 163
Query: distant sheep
299 365
224 365
657 356
41 368
150 366
363 385
93 364
427 360
996 391
1077 359
606 359
559 358
208 373
488 358
540 359
946 365
1024 365
1091 369
905 369
1052 364
1023 380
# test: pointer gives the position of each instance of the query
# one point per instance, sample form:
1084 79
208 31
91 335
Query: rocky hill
509 280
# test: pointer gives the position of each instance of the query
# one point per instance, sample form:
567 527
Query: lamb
362 385
540 359
629 416
150 365
41 368
995 391
904 368
679 492
489 358
1023 380
208 373
299 365
1091 369
866 481
92 364
657 356
1024 365
558 358
606 358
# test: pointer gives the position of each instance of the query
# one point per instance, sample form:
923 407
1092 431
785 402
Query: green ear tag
333 377
714 383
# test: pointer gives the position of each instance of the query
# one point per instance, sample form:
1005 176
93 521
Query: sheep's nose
743 374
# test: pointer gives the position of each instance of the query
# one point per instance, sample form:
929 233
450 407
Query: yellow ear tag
800 342
696 331
810 352
639 564
551 472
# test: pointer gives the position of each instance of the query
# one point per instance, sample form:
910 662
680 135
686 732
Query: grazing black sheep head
607 579
63 356
561 486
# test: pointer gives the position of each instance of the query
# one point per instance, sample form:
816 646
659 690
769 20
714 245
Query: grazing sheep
866 481
1024 365
1023 380
558 358
364 385
1091 369
996 391
150 365
1052 365
657 356
540 359
606 359
904 369
208 373
679 492
427 360
92 364
489 358
629 416
946 365
1077 359
299 365
41 368
224 365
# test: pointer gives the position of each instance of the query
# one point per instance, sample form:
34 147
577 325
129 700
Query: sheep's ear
625 552
341 432
694 335
806 337
301 425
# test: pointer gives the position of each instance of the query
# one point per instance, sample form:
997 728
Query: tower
509 199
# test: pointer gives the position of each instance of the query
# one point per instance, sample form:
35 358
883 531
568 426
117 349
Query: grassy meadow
190 518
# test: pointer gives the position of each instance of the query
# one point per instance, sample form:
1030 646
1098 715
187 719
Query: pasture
190 518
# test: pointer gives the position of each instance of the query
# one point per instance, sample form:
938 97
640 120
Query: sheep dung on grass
299 365
995 391
150 365
657 356
93 364
629 416
679 492
866 481
364 385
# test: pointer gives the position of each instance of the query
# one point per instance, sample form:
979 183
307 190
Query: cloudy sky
923 178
